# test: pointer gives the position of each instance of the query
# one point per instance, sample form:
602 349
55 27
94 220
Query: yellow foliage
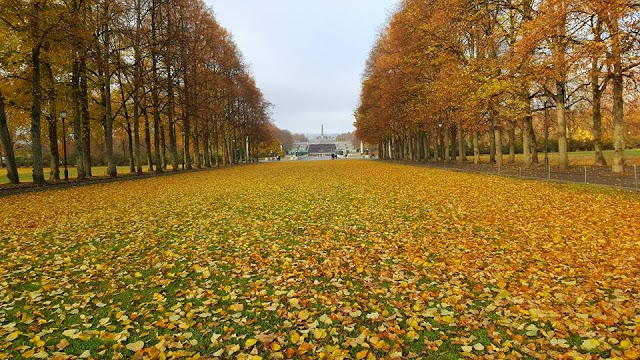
348 259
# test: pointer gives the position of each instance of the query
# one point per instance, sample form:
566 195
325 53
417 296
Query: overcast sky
306 55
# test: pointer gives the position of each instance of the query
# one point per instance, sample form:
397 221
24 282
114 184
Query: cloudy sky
306 55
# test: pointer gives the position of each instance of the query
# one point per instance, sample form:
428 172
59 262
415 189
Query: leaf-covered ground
330 260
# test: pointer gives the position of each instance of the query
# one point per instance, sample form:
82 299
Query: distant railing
582 174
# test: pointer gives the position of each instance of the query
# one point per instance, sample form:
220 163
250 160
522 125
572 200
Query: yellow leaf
37 342
232 349
41 355
62 344
325 319
135 346
250 343
303 315
14 335
214 339
503 294
319 333
631 354
590 344
71 333
295 337
412 335
362 354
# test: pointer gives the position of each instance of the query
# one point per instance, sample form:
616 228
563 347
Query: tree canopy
144 82
465 71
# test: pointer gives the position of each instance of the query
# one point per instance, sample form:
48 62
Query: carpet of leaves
327 260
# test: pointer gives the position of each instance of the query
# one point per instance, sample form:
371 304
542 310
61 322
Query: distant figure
279 157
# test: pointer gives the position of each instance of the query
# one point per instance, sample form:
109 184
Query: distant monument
323 145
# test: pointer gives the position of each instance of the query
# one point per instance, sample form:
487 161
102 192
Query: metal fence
582 174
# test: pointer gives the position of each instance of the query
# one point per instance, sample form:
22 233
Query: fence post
635 172
585 174
520 171
548 171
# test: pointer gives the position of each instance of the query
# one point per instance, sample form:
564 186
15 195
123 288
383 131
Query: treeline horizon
446 76
162 76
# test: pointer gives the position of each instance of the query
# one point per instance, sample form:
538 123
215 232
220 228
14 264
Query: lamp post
184 148
63 116
441 147
233 151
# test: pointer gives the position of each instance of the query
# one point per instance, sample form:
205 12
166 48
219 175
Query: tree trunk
147 140
163 148
106 83
559 54
597 128
86 126
512 142
171 112
563 161
7 145
216 146
546 134
77 115
526 146
54 161
137 85
156 129
529 146
498 137
155 87
532 141
618 100
427 146
52 121
447 145
132 161
492 141
196 145
597 89
36 98
127 128
207 150
476 148
461 147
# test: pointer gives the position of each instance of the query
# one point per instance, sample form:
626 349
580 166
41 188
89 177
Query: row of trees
448 74
163 72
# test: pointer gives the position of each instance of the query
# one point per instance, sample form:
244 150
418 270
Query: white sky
306 55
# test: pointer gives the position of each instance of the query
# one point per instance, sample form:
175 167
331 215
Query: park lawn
577 158
25 173
327 260
580 158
